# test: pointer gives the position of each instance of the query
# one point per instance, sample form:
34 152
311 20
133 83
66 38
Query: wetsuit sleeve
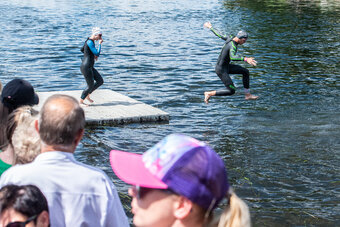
233 53
218 35
92 47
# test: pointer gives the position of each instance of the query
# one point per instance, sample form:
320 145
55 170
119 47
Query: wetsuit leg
228 83
89 77
98 78
236 69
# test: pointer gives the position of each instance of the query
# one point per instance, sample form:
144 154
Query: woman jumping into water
87 66
224 68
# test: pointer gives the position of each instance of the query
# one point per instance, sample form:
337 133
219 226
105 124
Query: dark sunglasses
142 191
21 224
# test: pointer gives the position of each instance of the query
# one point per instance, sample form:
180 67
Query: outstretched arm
208 25
250 61
236 57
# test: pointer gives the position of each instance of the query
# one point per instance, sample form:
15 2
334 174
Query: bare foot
251 97
88 98
207 96
81 102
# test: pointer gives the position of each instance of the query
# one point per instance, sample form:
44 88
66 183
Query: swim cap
96 31
242 35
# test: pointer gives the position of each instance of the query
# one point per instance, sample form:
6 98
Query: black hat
242 35
19 92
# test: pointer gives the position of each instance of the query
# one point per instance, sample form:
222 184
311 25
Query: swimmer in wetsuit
87 66
224 68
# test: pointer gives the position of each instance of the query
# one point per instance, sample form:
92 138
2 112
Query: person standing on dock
224 68
91 53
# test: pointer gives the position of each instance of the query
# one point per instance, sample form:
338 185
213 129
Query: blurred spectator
78 194
16 93
23 205
23 140
179 182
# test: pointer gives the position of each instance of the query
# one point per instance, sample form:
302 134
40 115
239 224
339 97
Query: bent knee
99 81
245 72
232 89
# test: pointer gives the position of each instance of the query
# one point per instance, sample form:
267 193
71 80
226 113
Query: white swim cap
242 35
96 31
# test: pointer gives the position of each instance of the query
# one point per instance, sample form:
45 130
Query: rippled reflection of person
224 68
91 53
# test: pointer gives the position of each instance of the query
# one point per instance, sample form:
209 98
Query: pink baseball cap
181 163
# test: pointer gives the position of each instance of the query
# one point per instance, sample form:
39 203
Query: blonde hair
236 214
24 139
26 142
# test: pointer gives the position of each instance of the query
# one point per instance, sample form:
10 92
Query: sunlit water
281 151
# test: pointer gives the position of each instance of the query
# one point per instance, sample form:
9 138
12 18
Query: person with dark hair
16 93
91 53
78 194
179 182
224 68
23 205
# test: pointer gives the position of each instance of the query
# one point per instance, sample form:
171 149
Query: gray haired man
77 194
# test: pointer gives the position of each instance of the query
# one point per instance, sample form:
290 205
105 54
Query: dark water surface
281 151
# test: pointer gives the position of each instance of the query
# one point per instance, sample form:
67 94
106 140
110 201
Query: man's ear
43 219
183 208
36 125
79 136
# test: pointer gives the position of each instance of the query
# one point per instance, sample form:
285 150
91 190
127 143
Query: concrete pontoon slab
111 107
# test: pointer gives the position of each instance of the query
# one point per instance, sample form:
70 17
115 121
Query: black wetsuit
88 70
224 68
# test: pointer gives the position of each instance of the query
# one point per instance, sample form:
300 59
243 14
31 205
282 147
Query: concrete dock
112 108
